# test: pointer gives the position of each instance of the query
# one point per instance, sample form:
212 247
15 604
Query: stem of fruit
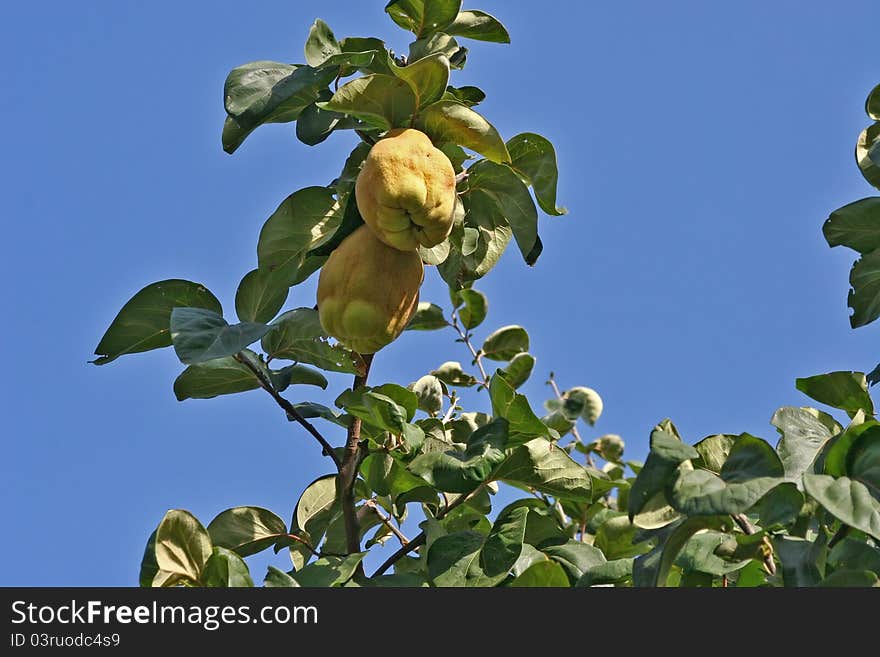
292 414
351 460
420 539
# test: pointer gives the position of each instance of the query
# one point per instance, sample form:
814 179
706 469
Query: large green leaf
866 149
856 225
328 571
834 459
428 317
667 452
863 463
512 201
505 343
515 408
652 569
542 465
698 554
437 44
804 432
321 44
864 297
200 335
802 560
851 578
259 296
611 572
304 221
854 554
386 476
221 376
713 451
315 124
751 458
383 101
297 335
423 17
377 409
144 323
575 557
505 542
518 370
474 308
466 95
183 545
454 560
534 159
315 502
848 500
475 24
246 529
225 569
449 121
428 77
543 574
847 391
477 244
702 493
268 92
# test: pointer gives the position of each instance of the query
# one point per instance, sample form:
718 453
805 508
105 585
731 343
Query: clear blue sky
701 146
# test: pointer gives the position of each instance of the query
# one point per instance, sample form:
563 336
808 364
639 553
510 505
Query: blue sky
700 146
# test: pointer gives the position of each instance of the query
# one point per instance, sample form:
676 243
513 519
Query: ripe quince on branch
368 291
406 191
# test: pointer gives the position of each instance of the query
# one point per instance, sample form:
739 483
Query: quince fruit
406 191
368 291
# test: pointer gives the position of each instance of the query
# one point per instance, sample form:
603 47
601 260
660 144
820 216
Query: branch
366 137
387 522
351 460
478 357
749 529
420 539
292 413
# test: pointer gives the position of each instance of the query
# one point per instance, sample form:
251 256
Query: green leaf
303 221
144 321
615 571
428 317
541 575
802 560
851 578
667 452
781 506
439 43
475 308
315 124
225 569
259 297
699 555
652 569
328 571
221 376
864 463
268 92
518 370
805 431
534 160
477 244
475 24
542 465
853 554
856 225
865 154
449 121
872 103
423 17
315 502
321 44
713 451
297 335
376 409
847 500
452 374
511 200
847 391
454 560
246 529
575 557
201 335
864 297
297 375
615 538
751 458
505 542
515 408
429 391
505 343
183 546
149 567
466 95
276 578
383 101
701 493
427 77
453 471
351 221
386 476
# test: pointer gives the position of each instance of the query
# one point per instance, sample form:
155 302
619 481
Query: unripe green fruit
368 291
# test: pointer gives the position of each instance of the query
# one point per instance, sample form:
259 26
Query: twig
292 413
348 470
368 138
308 546
420 539
749 529
574 430
386 520
453 400
478 356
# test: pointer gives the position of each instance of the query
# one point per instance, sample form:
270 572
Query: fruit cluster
368 289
